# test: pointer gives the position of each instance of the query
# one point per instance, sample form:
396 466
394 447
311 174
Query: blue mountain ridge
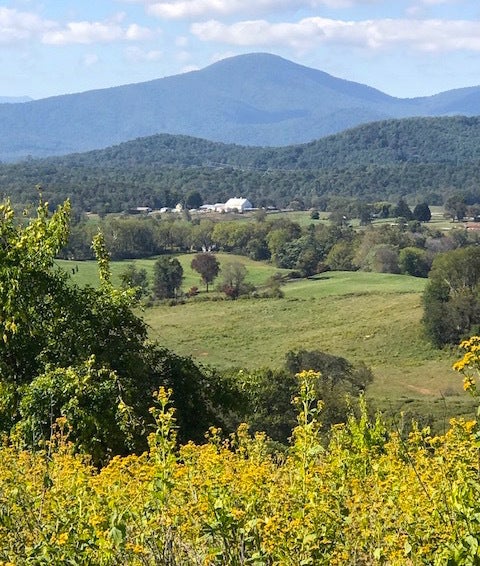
257 99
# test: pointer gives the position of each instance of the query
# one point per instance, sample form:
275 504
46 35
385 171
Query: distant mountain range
256 100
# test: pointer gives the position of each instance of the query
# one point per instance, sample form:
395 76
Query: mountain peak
251 99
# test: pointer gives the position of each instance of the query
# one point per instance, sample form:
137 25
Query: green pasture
86 272
367 317
347 314
370 317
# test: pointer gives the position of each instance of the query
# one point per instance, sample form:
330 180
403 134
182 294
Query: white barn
238 204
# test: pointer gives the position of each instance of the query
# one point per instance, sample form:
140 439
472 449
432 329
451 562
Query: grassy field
367 317
86 272
370 317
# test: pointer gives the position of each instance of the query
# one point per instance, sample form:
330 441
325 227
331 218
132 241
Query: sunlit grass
86 272
370 317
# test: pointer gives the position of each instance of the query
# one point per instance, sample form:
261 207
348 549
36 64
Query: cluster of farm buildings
239 205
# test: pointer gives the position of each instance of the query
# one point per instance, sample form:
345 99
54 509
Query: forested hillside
416 158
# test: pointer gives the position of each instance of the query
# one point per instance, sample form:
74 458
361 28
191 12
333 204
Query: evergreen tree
422 212
402 210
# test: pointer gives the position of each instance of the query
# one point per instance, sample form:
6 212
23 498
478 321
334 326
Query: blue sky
405 48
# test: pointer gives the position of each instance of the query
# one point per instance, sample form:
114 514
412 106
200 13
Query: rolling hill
256 99
410 157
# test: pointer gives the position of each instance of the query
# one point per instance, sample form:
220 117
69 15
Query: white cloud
134 32
191 9
95 32
137 55
19 26
190 68
423 35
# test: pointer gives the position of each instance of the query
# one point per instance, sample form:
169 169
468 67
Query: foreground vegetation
370 496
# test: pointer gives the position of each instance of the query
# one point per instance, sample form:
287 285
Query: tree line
404 246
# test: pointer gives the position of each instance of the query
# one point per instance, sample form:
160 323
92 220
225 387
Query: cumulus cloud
190 9
424 35
19 26
94 32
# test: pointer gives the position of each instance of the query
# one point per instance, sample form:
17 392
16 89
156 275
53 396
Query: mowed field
370 317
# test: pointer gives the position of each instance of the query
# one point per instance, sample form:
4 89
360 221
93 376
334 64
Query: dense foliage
422 158
451 297
81 384
267 393
370 497
81 353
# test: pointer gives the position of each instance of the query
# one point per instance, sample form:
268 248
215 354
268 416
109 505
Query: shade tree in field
207 265
456 206
167 278
233 280
422 212
136 278
402 210
365 213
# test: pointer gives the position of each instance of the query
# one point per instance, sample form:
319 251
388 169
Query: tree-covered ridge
379 161
420 140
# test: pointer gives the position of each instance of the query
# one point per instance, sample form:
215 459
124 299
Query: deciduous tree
207 266
167 277
451 297
135 278
233 284
81 353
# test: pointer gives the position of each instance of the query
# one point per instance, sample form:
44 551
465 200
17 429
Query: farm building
239 204
232 205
